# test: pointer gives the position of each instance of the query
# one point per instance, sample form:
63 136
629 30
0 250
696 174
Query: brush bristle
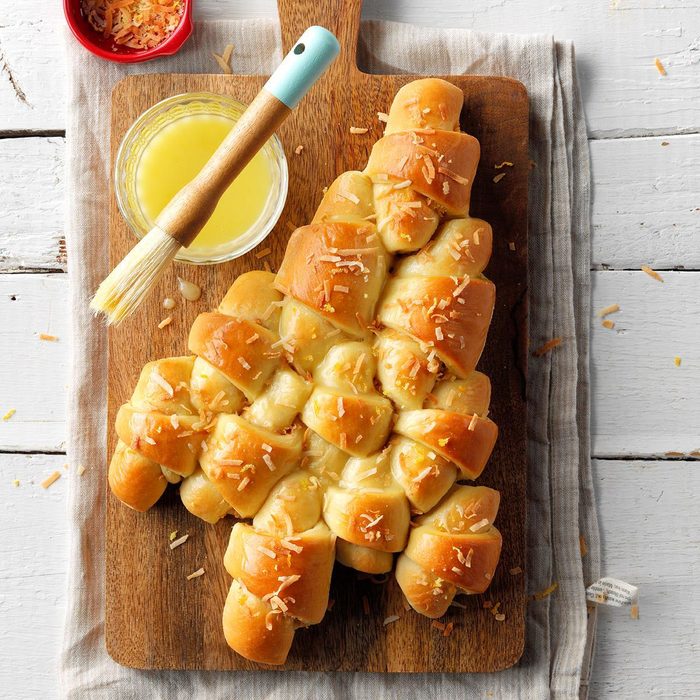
129 283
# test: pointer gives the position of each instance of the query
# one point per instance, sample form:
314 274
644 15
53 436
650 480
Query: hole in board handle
299 48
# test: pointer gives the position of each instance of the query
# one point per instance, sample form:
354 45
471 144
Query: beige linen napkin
560 493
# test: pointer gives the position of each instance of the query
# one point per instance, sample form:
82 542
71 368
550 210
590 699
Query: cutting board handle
342 17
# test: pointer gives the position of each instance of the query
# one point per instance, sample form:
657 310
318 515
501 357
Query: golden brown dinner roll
134 479
337 269
281 566
453 549
344 407
367 507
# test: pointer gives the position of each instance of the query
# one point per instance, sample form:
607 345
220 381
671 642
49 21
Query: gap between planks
622 136
605 457
32 133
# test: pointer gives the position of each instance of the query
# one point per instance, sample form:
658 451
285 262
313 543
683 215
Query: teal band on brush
303 65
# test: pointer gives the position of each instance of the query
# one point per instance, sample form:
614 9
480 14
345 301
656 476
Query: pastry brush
183 217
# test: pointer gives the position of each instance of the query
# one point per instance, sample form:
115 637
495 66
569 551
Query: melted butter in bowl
168 145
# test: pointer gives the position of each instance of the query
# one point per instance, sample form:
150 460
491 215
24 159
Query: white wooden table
645 145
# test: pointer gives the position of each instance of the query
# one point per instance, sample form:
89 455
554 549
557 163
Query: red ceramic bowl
106 48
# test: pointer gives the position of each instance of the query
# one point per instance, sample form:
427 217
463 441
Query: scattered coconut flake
291 546
515 571
500 617
269 617
402 185
612 309
52 478
298 149
361 476
162 383
659 66
459 179
473 422
390 619
267 551
278 603
511 245
448 629
243 363
677 361
172 535
477 526
222 64
196 574
9 414
499 177
165 322
189 290
224 60
16 482
350 196
180 540
48 337
503 164
607 323
358 130
438 625
540 595
652 273
422 475
547 347
383 117
263 253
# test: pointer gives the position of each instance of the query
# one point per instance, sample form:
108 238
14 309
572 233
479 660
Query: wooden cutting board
155 618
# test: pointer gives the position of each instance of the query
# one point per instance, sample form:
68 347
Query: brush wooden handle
188 211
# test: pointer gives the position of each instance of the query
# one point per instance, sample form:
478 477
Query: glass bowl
148 125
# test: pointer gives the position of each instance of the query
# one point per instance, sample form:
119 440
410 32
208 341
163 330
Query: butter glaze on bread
337 400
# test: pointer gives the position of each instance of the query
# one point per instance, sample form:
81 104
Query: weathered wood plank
645 202
649 520
31 216
616 44
33 537
645 207
642 403
32 93
33 372
33 549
